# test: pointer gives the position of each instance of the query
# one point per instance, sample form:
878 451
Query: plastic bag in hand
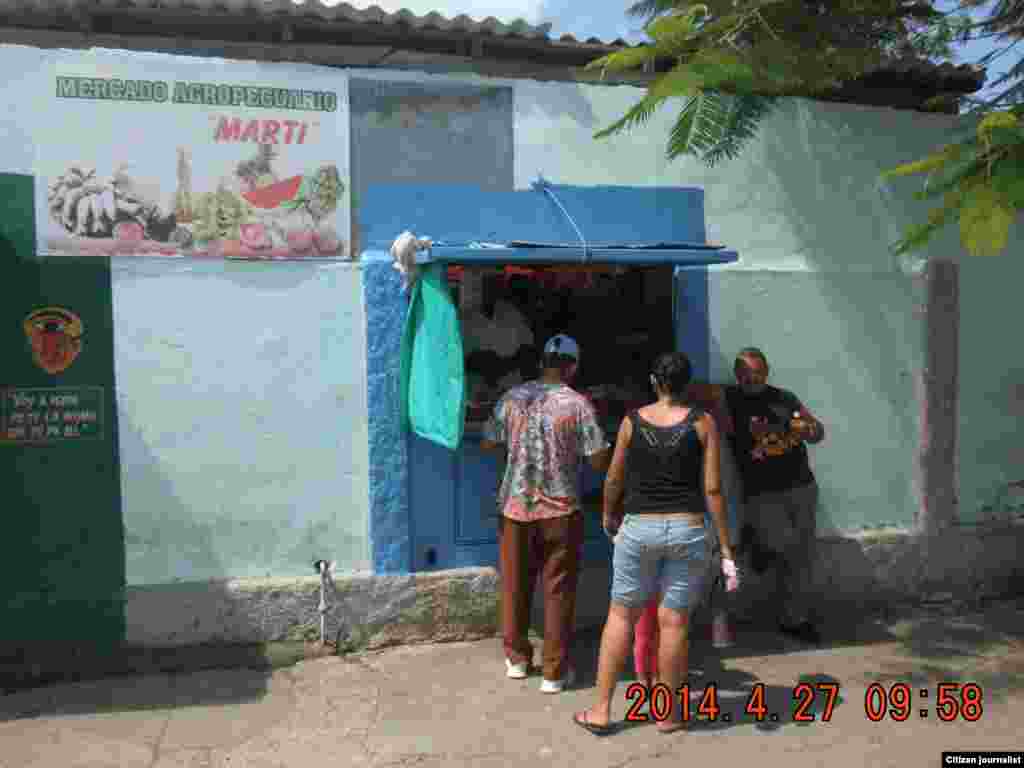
732 575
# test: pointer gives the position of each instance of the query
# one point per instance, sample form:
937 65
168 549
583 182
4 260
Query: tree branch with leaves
732 60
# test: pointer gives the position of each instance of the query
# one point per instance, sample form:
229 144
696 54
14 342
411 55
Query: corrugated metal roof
305 9
375 23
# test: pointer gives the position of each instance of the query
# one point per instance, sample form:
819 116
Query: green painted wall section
62 551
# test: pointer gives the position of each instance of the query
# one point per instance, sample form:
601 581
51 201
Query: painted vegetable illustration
300 241
129 231
255 236
318 194
274 195
183 196
219 215
326 190
326 241
258 171
87 205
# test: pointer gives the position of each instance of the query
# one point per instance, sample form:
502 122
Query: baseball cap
562 345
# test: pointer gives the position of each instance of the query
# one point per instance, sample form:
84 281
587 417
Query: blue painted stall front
432 508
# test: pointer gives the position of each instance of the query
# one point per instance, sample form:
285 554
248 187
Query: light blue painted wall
242 404
24 84
991 387
816 285
243 488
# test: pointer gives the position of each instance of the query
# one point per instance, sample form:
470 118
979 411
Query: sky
607 20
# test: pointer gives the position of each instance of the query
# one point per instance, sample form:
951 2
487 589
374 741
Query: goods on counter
479 411
504 333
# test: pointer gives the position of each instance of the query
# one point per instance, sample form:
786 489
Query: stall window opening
621 317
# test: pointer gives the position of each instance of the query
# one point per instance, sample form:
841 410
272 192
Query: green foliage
733 57
638 114
732 60
982 182
716 126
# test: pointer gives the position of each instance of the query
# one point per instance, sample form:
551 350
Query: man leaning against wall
771 429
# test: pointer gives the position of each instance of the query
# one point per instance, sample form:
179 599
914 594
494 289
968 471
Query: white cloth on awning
403 255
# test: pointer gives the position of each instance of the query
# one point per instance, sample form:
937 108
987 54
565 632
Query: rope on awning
542 185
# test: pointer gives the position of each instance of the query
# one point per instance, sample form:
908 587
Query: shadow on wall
75 543
858 364
444 133
569 101
161 534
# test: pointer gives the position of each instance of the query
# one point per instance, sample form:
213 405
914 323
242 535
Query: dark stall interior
620 316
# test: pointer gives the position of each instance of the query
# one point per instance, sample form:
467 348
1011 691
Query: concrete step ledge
271 621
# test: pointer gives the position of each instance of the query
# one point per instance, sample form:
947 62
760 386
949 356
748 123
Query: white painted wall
242 408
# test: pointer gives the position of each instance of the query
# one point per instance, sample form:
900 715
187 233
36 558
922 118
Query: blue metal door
454 516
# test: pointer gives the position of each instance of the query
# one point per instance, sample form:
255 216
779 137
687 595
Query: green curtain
433 378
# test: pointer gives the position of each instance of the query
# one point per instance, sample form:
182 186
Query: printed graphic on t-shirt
778 440
773 444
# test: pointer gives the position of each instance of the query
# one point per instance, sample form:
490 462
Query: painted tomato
326 243
300 241
231 248
129 231
254 236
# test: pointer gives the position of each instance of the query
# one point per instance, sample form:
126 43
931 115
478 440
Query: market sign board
55 414
153 155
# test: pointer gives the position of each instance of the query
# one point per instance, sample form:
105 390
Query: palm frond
638 114
749 111
677 27
714 126
669 37
648 9
626 59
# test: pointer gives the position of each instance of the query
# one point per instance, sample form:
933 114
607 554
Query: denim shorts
659 555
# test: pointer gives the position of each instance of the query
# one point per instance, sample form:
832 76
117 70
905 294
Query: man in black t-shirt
770 432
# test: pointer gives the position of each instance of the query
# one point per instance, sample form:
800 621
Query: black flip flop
594 728
674 728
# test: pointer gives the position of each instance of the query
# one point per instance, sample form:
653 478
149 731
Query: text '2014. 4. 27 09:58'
808 703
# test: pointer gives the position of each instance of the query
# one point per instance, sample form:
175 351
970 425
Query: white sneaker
517 671
557 686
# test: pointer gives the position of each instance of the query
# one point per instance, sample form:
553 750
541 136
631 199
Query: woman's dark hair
672 372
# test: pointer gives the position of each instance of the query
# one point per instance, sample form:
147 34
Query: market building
202 325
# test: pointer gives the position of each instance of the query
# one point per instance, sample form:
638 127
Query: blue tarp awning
549 224
677 255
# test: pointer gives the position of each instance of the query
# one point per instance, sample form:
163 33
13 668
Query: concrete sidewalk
450 705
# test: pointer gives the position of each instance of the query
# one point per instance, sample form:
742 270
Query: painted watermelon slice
273 195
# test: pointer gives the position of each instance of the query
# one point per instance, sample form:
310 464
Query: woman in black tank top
665 469
664 465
